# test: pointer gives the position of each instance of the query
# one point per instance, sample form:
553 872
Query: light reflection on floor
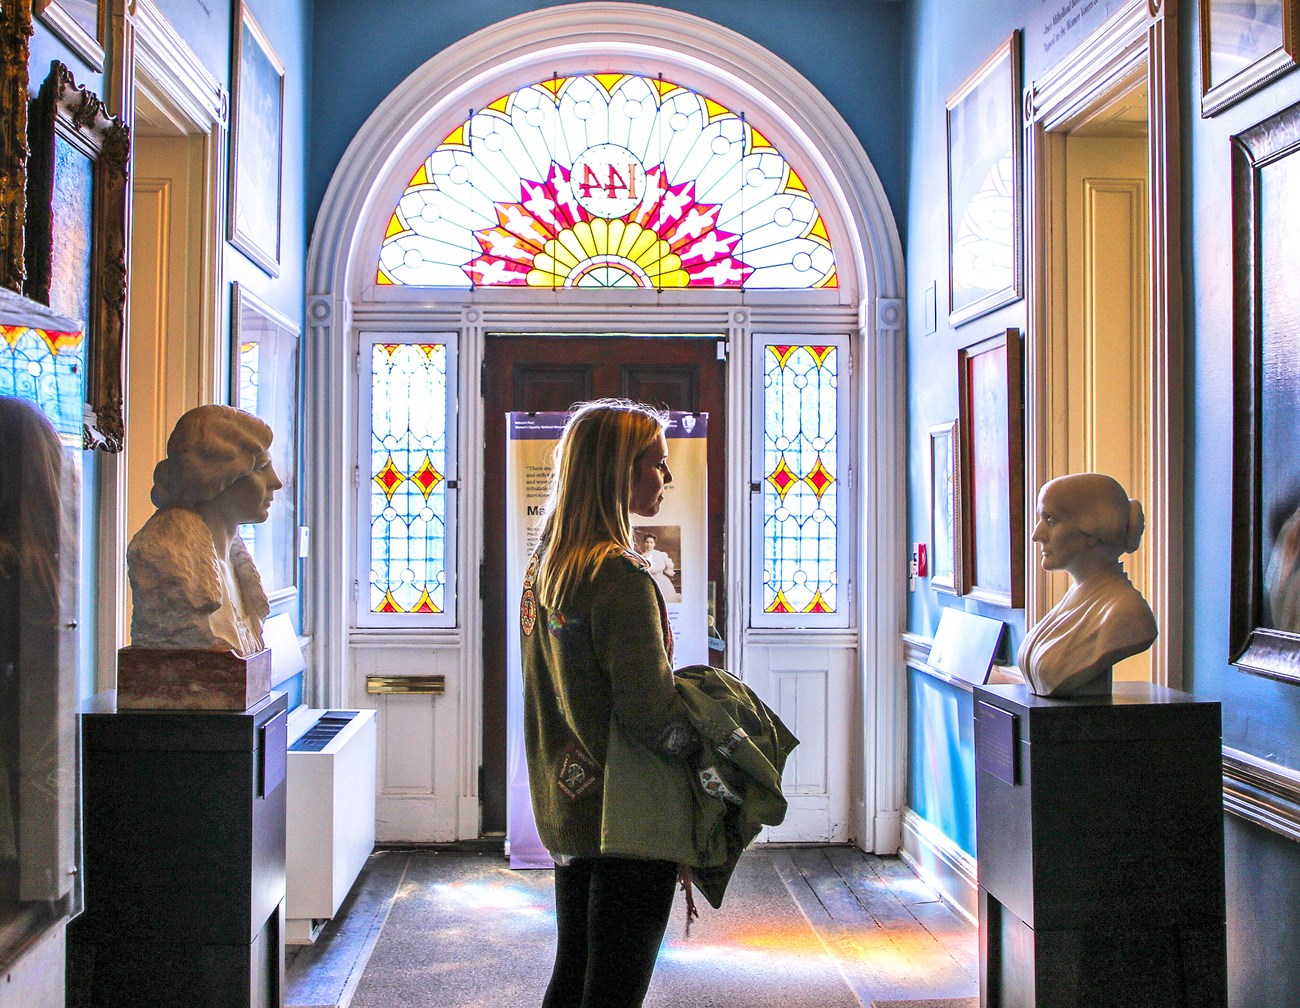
496 896
780 947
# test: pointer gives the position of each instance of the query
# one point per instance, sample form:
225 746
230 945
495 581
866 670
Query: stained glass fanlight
407 479
801 466
608 180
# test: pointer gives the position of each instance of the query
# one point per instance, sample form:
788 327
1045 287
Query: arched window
607 180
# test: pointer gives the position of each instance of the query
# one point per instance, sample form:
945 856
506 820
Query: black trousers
611 914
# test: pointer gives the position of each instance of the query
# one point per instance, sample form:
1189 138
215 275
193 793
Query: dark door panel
544 373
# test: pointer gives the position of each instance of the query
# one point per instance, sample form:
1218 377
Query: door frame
1137 42
342 299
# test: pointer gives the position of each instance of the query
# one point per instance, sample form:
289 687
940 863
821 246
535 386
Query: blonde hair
587 513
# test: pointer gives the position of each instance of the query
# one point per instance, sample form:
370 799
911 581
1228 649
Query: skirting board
941 863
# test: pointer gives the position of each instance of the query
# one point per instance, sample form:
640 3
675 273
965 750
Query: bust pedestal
185 859
191 679
1100 833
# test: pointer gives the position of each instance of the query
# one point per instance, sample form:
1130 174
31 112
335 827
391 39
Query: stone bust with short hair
193 582
1085 522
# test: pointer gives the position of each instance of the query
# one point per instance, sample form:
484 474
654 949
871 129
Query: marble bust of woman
1085 522
193 582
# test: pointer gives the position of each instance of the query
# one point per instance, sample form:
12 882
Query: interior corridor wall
849 51
946 41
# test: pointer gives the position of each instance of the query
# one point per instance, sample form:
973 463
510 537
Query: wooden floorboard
889 932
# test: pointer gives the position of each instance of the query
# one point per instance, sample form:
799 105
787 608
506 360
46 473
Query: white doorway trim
1137 42
341 266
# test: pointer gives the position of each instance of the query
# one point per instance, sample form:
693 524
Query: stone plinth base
188 679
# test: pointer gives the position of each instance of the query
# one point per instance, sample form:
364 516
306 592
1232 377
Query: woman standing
599 695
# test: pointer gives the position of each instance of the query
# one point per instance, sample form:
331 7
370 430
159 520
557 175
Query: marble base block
189 679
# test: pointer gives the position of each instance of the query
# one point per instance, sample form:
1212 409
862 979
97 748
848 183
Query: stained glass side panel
45 367
407 478
606 180
801 467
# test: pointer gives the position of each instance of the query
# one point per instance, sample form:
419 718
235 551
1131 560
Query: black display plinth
1100 835
184 855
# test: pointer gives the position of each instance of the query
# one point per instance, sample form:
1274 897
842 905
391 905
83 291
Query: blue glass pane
800 492
408 486
45 368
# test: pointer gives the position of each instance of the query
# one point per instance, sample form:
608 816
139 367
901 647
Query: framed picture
985 262
1244 45
79 24
76 235
992 469
1265 609
945 509
15 30
264 381
256 142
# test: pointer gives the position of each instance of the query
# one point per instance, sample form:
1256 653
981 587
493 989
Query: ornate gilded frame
15 36
64 111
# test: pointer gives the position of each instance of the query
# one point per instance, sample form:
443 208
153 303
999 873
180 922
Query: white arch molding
375 169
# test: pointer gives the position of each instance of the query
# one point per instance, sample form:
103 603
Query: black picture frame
992 468
77 200
256 144
1244 47
985 189
1265 611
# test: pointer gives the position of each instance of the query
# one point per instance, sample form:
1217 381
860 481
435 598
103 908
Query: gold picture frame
77 193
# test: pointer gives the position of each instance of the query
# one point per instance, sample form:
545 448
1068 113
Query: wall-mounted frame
15 31
1265 610
77 190
264 381
256 144
945 509
80 24
992 469
985 198
1244 46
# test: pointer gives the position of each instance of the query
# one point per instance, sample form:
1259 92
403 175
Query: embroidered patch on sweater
528 612
530 575
561 626
577 773
676 737
713 784
732 742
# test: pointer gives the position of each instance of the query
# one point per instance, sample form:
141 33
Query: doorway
1105 344
1103 353
545 372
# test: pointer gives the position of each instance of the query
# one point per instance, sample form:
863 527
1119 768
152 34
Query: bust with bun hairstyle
193 582
1085 523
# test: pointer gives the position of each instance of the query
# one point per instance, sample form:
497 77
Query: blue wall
941 756
947 39
849 51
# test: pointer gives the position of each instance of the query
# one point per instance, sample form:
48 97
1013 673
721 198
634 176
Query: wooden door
544 373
